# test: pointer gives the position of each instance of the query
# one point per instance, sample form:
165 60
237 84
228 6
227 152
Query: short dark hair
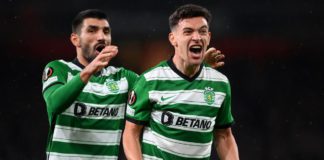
89 13
188 11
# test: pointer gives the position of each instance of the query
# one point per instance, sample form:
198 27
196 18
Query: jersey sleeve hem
145 123
224 126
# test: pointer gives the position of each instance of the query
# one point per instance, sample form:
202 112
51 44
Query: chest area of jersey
207 96
104 85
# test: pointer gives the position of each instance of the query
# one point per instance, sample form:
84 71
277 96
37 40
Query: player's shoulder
215 74
156 69
161 65
55 63
62 64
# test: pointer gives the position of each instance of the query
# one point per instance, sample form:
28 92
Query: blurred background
274 53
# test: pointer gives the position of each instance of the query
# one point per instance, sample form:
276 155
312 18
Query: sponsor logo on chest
186 122
81 109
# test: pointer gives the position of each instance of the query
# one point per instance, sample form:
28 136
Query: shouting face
190 39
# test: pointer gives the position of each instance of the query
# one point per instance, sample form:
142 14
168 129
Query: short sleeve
131 78
139 107
224 117
53 74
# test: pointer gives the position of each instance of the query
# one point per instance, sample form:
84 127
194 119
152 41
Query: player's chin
196 61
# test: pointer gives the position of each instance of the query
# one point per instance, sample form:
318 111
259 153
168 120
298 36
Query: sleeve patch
131 98
48 72
130 111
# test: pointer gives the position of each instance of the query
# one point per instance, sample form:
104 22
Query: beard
87 53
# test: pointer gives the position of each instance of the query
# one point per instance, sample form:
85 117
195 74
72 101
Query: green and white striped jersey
88 124
180 113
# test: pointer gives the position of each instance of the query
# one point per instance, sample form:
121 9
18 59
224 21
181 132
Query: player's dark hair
188 11
89 13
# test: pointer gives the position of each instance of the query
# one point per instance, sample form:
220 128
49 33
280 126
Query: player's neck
184 67
81 59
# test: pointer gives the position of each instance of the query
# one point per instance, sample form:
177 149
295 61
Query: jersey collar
77 62
175 69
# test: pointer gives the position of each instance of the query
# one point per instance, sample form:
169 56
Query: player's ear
172 39
209 38
75 39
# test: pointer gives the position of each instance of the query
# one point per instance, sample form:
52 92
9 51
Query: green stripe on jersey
182 85
153 152
113 99
104 124
61 147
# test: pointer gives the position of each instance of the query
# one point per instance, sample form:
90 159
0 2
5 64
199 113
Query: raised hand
214 58
101 61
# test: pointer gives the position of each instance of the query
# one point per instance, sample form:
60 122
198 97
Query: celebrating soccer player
181 103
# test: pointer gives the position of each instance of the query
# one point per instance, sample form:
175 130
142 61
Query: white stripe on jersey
86 136
211 74
110 70
177 147
49 81
97 111
162 73
185 122
102 89
71 65
64 156
166 73
194 97
130 110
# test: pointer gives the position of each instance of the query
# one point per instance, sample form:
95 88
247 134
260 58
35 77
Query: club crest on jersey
112 86
48 71
209 95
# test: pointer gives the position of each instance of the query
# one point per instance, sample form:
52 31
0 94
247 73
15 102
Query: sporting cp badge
209 95
112 86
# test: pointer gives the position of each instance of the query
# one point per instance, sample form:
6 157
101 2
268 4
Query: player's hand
214 58
102 59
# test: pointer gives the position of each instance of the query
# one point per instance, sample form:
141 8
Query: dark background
273 59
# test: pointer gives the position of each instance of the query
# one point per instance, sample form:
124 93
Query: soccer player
86 98
181 104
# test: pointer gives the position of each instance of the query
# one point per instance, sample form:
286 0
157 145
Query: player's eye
203 31
187 32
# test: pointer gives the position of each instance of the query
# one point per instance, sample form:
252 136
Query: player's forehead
101 23
194 22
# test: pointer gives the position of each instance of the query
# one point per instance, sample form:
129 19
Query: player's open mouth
100 47
196 49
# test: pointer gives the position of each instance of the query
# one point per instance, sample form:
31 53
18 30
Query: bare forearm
227 148
131 142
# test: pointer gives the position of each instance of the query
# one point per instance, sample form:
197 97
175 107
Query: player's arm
137 116
131 141
60 96
225 144
214 58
